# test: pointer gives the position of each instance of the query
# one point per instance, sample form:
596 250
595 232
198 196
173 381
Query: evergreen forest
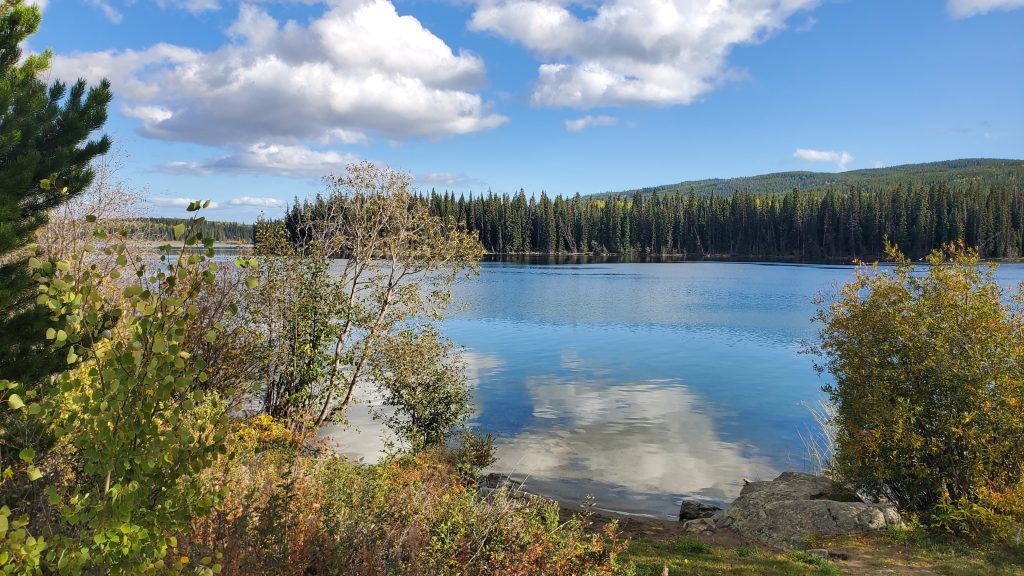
836 223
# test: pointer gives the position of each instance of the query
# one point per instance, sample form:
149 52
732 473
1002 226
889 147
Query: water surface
640 384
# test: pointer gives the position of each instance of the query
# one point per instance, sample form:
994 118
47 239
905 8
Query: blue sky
249 103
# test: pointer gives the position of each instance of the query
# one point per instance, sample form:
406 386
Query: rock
819 552
693 509
796 506
699 525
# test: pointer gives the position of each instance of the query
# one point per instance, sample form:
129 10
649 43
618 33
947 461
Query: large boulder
796 506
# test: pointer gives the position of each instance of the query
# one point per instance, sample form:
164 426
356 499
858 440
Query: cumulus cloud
841 159
278 159
177 202
968 8
256 201
358 68
580 124
631 51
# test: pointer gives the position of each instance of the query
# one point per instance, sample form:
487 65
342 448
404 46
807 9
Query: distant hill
989 170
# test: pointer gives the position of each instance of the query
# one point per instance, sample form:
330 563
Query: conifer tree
45 153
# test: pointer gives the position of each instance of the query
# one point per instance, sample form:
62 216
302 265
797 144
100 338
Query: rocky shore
785 512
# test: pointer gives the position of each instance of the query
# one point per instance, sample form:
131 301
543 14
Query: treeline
163 229
834 224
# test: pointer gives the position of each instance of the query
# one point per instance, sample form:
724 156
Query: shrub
293 511
131 425
929 382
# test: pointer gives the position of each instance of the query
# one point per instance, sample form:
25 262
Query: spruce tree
45 154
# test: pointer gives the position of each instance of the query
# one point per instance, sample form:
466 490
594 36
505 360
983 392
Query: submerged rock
796 506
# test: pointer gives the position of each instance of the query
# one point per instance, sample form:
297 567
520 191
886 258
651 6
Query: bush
292 511
998 515
929 383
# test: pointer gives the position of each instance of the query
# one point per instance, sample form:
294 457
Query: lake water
639 384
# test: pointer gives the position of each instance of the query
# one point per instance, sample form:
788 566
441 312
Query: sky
249 103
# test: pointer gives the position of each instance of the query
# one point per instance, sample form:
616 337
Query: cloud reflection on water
634 447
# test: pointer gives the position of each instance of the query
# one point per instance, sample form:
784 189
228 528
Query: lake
639 384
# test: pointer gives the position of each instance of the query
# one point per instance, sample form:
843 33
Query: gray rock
693 509
819 552
699 525
796 506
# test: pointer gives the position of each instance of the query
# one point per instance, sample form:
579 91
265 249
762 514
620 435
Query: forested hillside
978 201
983 170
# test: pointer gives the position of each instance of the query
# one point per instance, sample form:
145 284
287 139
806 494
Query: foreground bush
289 511
929 387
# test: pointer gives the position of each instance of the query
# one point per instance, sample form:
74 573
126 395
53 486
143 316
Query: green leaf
27 455
34 473
179 229
72 357
51 333
45 184
251 282
15 402
90 218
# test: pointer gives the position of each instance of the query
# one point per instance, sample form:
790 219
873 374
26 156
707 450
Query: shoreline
554 258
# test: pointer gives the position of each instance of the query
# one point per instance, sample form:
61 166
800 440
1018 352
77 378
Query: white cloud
581 123
200 6
841 159
447 180
178 202
269 158
112 14
256 201
40 3
968 8
359 68
193 6
632 51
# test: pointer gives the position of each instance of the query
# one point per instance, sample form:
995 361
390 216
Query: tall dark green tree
45 154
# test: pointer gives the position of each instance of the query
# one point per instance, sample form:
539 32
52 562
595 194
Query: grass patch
689 555
746 551
916 550
895 553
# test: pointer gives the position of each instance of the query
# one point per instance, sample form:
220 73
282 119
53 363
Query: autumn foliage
929 383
